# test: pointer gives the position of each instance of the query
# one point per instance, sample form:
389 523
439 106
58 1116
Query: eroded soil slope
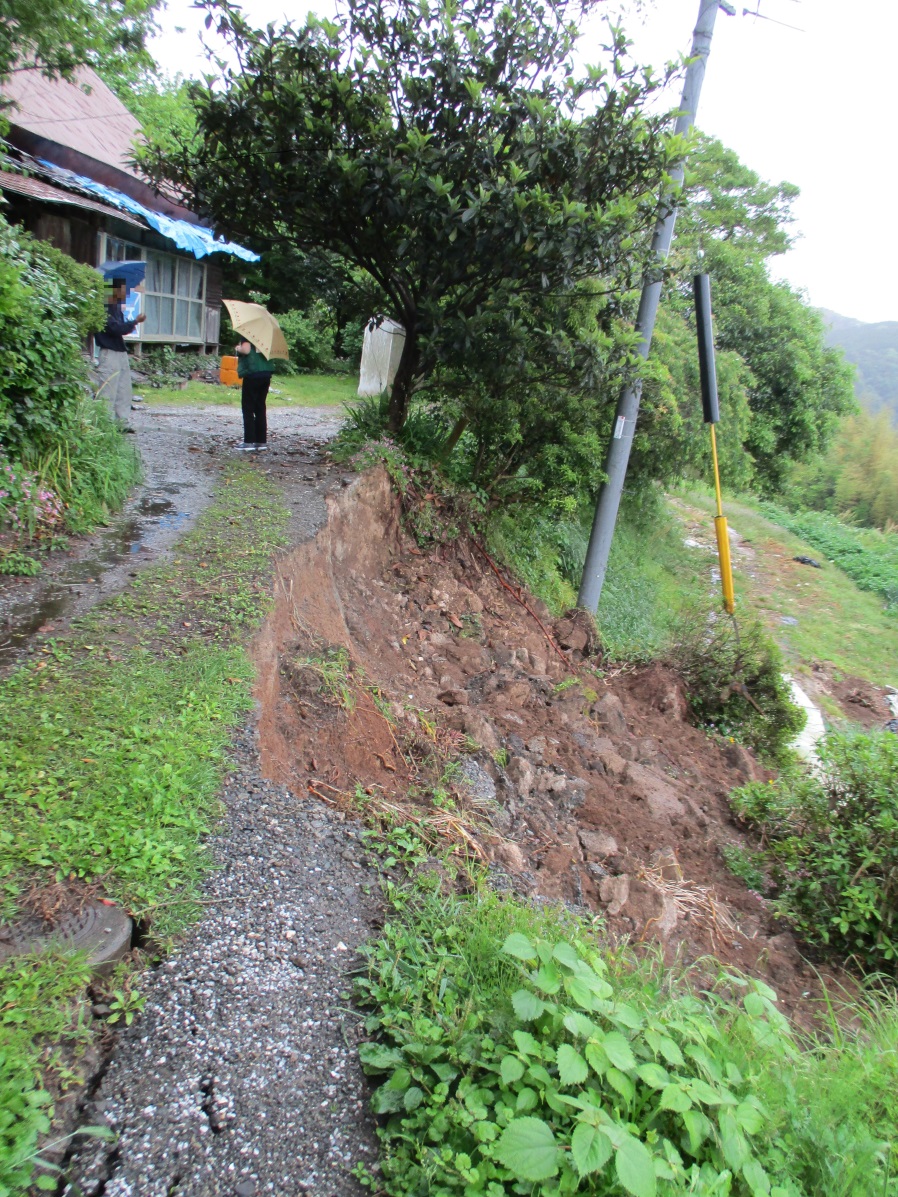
575 784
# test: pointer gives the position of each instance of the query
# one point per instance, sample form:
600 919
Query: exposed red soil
590 787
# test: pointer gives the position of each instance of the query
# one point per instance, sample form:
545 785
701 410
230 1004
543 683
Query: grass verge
287 390
113 750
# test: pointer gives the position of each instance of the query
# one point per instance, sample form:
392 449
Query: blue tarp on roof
190 237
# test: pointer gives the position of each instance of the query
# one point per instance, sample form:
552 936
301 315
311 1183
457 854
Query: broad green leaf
675 1097
520 946
527 1005
413 1097
580 993
756 1178
754 1005
526 1100
670 1051
635 1168
625 1014
621 1082
703 1092
749 1117
565 954
735 1146
511 1069
618 1051
526 1044
653 1075
528 1149
579 1024
697 1127
572 1069
547 979
379 1058
595 1054
590 1148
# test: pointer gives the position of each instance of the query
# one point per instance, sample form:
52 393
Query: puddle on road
132 533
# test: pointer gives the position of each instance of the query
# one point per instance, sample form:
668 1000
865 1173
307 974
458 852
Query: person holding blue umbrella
115 365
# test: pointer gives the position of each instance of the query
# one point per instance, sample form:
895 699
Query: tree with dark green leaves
457 155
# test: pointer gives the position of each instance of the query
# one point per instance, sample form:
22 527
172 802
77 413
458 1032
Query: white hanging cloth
381 351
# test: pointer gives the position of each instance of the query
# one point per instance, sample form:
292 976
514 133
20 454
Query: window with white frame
175 290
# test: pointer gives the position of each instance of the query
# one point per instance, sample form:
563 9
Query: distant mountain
873 348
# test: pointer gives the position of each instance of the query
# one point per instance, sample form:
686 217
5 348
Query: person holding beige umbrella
262 341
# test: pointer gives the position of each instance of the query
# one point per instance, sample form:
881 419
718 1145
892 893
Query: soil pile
580 784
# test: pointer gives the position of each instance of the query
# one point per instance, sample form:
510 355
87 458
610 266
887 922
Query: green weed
516 1056
299 390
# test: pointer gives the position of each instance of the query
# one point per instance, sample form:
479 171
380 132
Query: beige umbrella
259 327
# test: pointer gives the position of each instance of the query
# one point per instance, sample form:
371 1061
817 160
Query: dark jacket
117 327
252 363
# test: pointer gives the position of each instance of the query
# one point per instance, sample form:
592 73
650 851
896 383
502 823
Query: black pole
702 289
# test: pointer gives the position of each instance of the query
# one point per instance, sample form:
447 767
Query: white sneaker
260 448
244 447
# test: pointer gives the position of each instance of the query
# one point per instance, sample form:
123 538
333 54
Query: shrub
60 445
833 845
310 336
163 366
733 676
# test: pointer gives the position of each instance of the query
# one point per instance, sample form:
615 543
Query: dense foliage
783 391
58 36
832 839
57 445
514 1057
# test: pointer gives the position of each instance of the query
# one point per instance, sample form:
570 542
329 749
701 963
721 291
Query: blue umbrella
133 272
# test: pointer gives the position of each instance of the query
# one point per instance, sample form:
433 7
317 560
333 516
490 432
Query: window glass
121 251
195 327
174 292
160 274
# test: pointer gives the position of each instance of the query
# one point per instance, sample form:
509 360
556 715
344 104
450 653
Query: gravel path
241 1077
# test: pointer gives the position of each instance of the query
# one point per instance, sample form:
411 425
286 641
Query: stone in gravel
476 779
246 1188
453 698
613 763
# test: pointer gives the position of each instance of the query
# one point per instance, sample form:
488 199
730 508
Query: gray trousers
114 372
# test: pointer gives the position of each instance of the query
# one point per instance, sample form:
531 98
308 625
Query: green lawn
837 621
287 390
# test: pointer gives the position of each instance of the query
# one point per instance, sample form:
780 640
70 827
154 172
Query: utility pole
618 456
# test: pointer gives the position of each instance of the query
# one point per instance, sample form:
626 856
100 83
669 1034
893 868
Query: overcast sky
816 107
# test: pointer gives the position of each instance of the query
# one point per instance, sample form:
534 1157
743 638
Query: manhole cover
103 932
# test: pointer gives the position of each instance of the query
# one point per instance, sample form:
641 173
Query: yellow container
227 373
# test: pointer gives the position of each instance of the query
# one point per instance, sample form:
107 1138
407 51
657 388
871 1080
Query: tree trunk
453 438
401 394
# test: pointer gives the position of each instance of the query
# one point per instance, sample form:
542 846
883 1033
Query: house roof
93 122
39 190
